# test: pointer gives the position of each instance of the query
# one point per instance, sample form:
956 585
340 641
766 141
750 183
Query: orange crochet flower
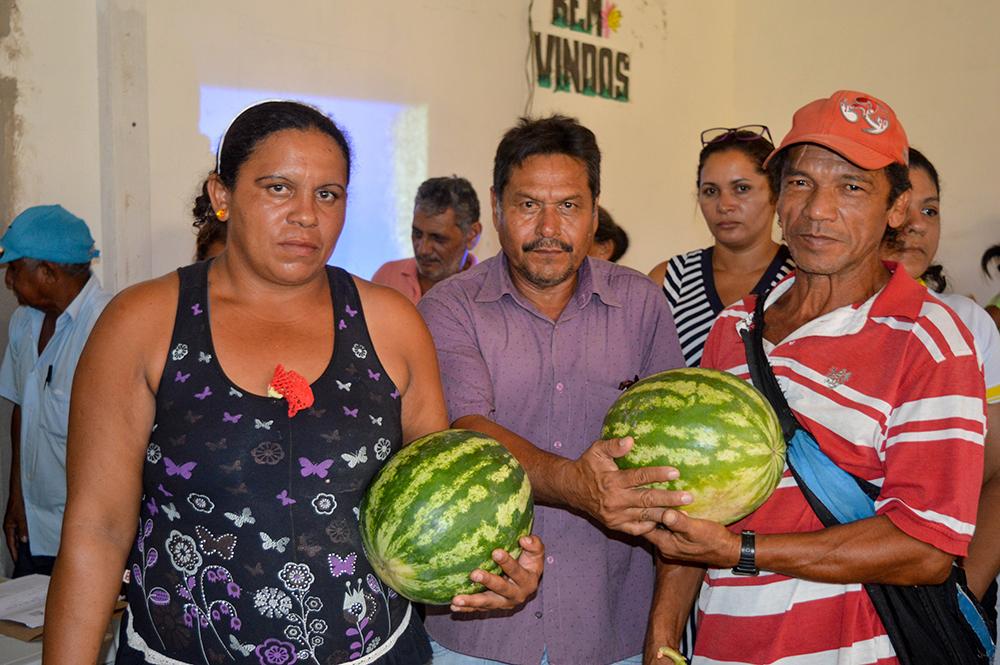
293 387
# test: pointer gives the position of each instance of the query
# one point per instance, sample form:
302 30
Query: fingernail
687 498
476 576
498 555
673 474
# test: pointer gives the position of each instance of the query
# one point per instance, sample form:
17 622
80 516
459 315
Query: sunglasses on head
744 133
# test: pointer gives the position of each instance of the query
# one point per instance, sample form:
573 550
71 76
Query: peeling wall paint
10 125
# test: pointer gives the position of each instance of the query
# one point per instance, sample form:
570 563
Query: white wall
693 65
463 60
937 64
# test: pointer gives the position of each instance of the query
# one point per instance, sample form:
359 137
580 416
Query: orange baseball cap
858 127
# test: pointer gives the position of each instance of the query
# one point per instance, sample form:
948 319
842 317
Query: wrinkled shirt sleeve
664 350
465 376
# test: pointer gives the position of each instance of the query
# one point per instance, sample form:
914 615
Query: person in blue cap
47 253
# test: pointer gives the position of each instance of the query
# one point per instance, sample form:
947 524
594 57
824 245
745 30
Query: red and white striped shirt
893 391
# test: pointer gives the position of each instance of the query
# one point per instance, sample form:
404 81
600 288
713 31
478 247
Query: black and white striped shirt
689 285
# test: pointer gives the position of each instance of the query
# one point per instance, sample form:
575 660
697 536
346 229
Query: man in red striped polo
888 382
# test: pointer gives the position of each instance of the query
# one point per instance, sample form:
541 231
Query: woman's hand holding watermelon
617 498
511 590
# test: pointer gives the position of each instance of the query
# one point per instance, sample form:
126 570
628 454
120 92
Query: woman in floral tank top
226 422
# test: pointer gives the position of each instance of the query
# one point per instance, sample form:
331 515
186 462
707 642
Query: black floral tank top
248 549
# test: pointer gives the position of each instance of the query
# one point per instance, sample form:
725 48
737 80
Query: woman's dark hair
607 230
210 229
934 276
555 135
990 255
918 160
256 123
754 146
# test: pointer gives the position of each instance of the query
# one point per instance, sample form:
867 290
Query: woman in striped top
737 200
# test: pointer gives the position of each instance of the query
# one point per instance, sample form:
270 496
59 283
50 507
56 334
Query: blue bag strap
974 618
841 496
835 488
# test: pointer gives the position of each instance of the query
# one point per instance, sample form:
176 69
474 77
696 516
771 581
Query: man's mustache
547 243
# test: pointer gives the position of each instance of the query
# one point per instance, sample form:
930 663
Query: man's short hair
438 195
555 135
69 269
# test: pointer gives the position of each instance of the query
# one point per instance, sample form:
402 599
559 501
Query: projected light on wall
390 161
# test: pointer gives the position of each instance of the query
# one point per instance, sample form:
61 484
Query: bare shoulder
658 272
136 327
384 305
143 306
397 331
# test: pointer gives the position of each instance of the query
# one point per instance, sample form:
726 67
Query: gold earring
222 214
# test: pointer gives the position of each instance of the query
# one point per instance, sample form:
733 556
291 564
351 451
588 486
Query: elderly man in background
445 230
534 346
47 252
887 381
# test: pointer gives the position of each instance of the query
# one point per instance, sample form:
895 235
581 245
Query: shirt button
557 444
550 559
538 615
560 386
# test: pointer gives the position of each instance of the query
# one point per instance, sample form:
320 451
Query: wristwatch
747 564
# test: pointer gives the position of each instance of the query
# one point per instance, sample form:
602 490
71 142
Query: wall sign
565 63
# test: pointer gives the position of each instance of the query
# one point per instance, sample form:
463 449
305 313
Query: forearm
870 551
983 561
545 471
676 587
82 594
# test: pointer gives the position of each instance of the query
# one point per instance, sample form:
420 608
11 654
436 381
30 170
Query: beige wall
937 64
463 60
694 65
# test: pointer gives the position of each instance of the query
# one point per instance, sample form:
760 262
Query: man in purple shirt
445 230
534 345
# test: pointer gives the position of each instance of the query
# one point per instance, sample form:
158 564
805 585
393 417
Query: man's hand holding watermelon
619 499
592 483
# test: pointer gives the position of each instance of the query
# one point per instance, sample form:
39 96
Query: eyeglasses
744 133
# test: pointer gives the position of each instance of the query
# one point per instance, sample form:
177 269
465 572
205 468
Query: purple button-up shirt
552 382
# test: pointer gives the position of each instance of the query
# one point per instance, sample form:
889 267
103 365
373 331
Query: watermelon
716 429
439 508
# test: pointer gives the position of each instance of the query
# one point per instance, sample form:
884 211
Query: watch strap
747 564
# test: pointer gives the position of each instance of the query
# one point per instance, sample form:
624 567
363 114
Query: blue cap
48 233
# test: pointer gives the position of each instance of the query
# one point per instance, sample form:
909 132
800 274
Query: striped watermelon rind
439 508
718 430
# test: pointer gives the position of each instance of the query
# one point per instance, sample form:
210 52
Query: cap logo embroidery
864 108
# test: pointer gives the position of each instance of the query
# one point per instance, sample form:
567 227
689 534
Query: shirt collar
592 278
900 297
86 293
903 296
